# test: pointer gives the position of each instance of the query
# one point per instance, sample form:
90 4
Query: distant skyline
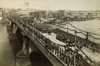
53 4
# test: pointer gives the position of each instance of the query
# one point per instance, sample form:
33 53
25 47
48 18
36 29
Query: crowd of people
69 39
61 35
69 56
65 55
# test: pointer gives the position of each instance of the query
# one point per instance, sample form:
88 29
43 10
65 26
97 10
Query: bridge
60 47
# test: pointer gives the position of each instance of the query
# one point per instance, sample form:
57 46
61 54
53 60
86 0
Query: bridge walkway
61 51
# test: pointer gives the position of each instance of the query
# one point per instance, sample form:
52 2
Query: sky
53 4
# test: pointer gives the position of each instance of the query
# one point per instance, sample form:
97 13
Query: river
6 52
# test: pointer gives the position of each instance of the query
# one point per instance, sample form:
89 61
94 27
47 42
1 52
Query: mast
26 4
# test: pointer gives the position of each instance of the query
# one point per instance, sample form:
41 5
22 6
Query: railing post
57 50
86 39
67 27
87 35
75 47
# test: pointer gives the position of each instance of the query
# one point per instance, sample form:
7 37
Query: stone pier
22 57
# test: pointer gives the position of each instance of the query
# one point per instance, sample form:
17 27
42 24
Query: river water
6 52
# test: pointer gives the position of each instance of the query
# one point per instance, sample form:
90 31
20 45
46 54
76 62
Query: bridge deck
52 47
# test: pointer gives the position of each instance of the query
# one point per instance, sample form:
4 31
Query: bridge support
9 22
22 57
33 47
25 47
14 28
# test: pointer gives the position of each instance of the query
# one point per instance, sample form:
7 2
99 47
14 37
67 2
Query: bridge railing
83 41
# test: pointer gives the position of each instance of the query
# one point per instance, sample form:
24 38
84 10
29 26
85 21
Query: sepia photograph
49 32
